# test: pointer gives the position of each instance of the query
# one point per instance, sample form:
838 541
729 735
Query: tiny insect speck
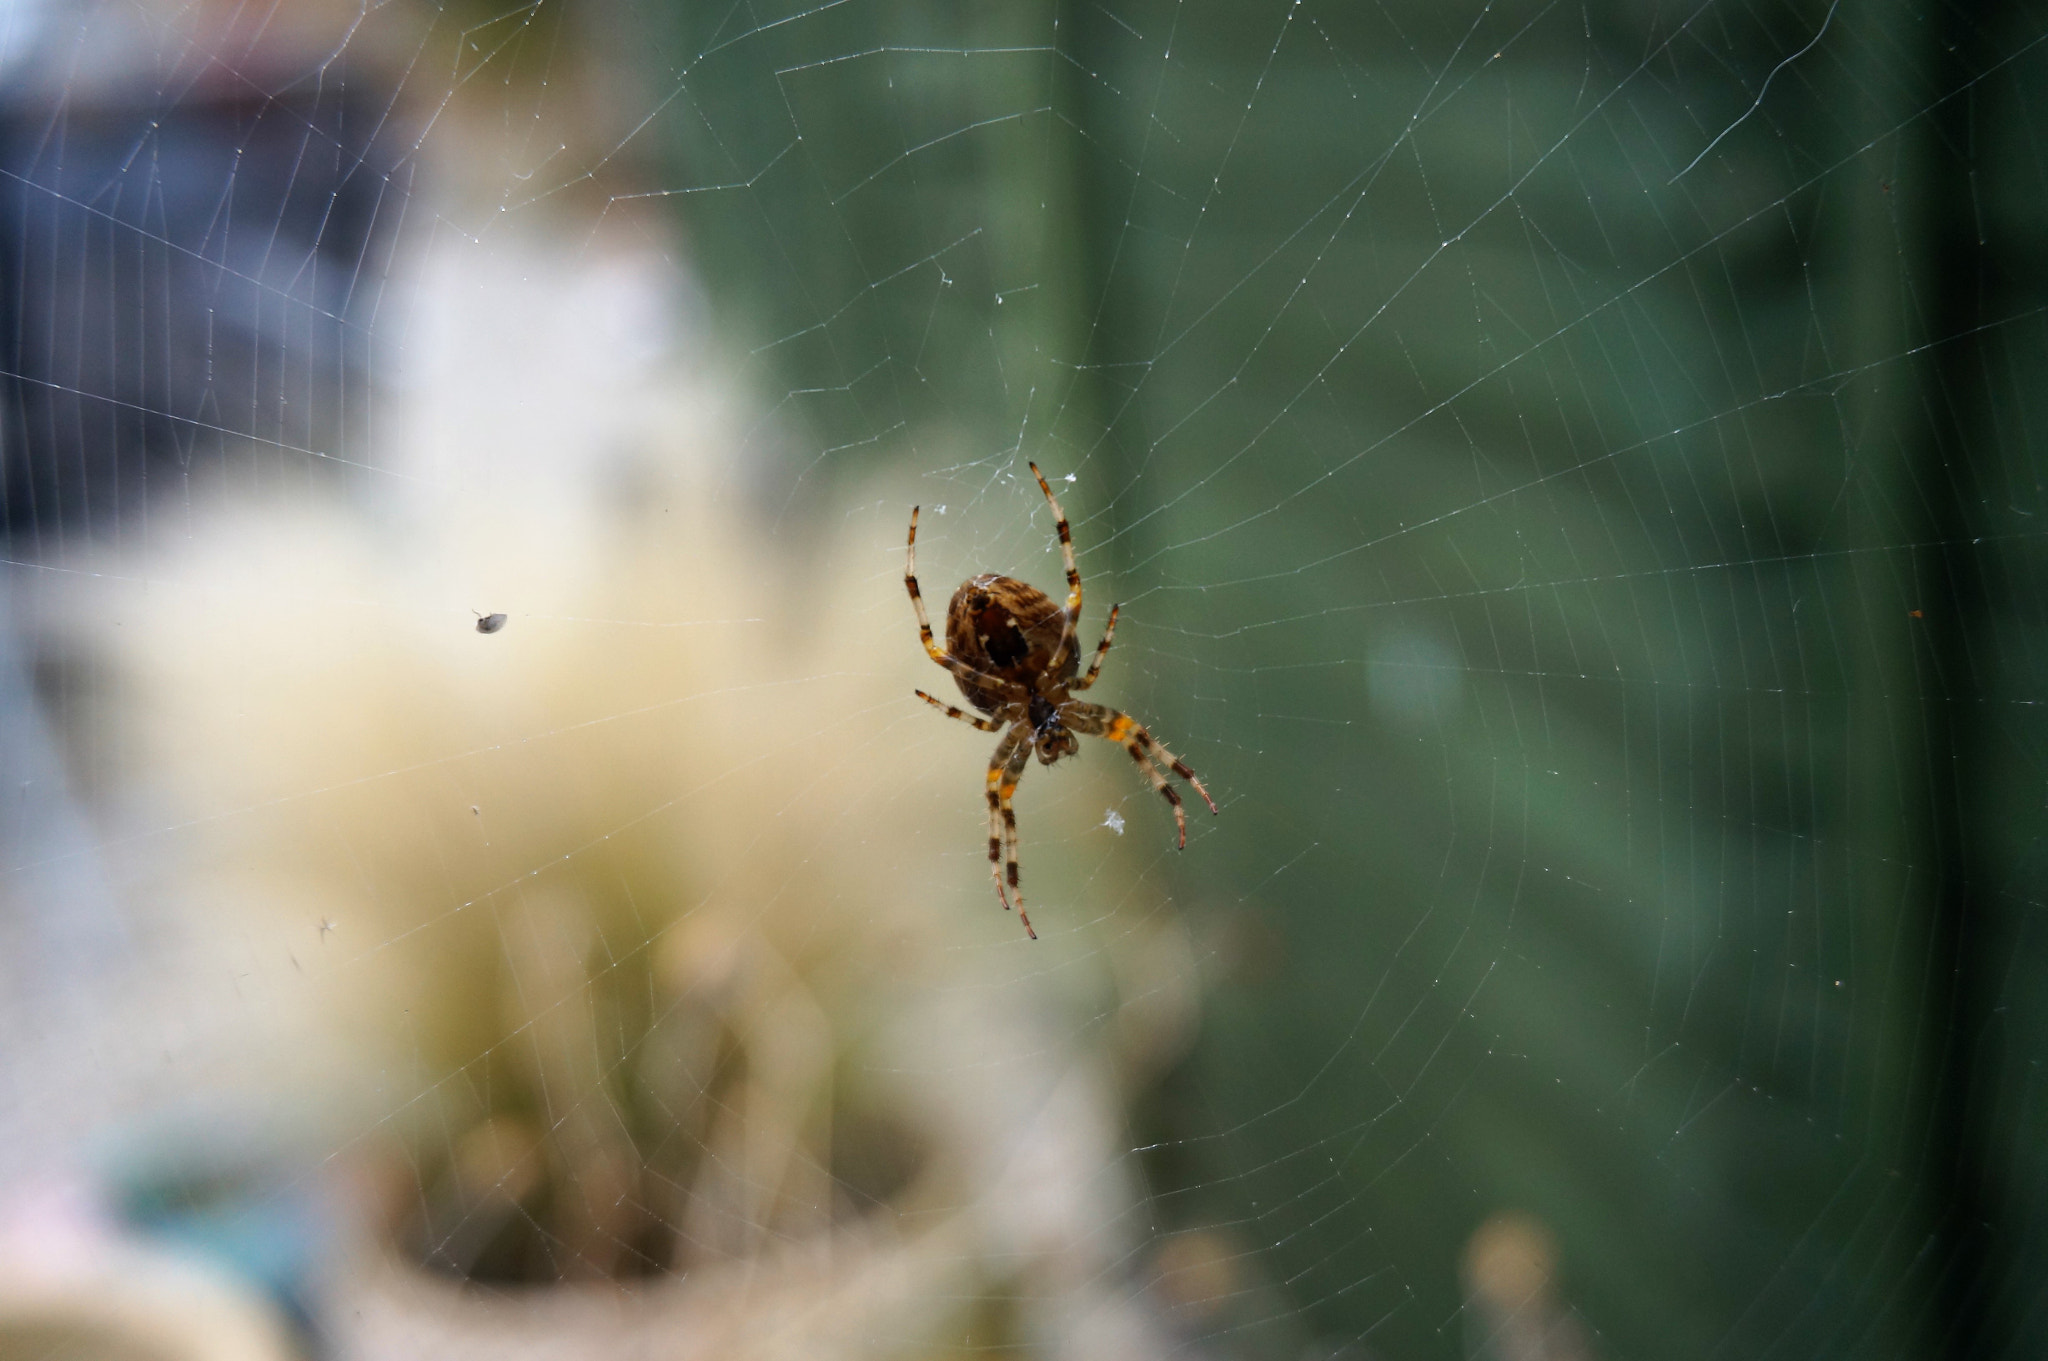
1114 821
490 623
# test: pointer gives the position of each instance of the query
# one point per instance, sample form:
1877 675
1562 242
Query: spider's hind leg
1073 612
955 711
1095 669
961 670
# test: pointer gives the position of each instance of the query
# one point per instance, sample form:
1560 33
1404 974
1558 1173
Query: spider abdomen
1008 629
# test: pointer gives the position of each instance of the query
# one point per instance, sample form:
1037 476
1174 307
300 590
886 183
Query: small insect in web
1012 652
489 623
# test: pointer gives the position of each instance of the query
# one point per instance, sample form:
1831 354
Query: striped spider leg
1098 720
1063 655
962 671
1004 768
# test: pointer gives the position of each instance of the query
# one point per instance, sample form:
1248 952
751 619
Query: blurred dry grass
645 942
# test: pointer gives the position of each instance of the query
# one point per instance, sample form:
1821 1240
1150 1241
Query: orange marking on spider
1011 651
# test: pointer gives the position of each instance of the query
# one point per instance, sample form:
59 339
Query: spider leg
961 670
1167 791
1100 721
1004 768
1095 667
952 711
1059 517
997 763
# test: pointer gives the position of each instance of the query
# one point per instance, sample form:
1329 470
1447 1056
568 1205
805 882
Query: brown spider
1012 652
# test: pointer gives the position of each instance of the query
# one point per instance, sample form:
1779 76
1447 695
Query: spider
1012 652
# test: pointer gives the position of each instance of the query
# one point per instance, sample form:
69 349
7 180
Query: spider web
1571 479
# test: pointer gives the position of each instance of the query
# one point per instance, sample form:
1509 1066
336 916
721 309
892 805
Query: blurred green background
1573 474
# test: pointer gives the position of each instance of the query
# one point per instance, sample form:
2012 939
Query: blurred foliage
1579 487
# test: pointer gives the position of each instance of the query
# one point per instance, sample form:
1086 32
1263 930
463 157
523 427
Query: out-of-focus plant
639 940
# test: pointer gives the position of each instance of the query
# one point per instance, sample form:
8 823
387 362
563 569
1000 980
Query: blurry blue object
183 297
230 1202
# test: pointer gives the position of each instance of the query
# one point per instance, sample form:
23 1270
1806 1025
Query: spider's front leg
1099 720
1004 769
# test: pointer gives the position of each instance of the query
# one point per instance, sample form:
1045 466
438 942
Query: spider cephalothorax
1012 651
1049 737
